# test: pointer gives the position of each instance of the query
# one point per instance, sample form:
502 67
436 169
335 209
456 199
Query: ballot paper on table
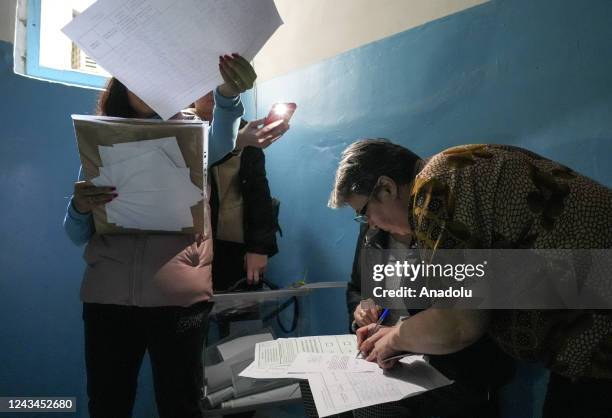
327 362
273 358
338 381
157 167
167 51
339 391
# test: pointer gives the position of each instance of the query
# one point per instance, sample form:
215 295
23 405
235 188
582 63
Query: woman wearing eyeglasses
491 196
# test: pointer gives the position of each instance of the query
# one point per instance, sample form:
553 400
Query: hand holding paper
237 73
87 196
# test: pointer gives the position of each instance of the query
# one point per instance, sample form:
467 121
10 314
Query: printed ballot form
324 362
273 358
335 392
283 351
338 381
167 51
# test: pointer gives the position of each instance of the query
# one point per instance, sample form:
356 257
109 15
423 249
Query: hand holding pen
371 330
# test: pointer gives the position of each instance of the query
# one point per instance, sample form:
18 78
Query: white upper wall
7 20
318 29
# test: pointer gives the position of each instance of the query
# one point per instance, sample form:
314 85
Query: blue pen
381 318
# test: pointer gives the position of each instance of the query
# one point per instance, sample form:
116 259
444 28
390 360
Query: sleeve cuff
75 214
226 102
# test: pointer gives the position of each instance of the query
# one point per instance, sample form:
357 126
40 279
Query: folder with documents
159 170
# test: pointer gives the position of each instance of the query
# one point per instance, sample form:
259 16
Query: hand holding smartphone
280 111
253 134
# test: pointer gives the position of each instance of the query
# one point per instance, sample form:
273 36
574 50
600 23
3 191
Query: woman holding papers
150 292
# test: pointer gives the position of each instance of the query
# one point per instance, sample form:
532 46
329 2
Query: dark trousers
583 398
116 338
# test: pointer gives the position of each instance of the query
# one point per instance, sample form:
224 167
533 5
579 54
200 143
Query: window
52 55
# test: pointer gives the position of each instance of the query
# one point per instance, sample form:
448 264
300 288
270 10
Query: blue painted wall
531 73
537 74
41 334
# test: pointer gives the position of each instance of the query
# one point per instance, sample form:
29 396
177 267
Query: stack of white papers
273 358
167 51
154 188
338 380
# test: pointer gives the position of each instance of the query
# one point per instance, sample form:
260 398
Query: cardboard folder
192 139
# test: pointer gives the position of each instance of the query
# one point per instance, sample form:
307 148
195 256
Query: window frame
33 67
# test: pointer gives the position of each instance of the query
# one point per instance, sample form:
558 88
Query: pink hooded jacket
153 269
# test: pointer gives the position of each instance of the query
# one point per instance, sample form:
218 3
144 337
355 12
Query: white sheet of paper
123 217
127 150
326 362
167 51
340 391
152 211
273 358
254 372
184 195
282 352
151 171
153 193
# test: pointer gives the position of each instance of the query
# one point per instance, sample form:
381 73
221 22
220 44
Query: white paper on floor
154 188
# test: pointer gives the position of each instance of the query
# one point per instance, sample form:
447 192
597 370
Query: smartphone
280 111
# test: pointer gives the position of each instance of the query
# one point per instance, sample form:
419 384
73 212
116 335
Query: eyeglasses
362 215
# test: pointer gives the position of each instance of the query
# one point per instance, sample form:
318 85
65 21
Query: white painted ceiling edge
7 20
318 29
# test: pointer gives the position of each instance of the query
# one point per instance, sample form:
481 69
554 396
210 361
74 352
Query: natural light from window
56 50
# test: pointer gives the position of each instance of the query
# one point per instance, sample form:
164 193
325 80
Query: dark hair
363 162
113 101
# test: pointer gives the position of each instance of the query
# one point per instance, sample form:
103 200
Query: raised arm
224 126
238 76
